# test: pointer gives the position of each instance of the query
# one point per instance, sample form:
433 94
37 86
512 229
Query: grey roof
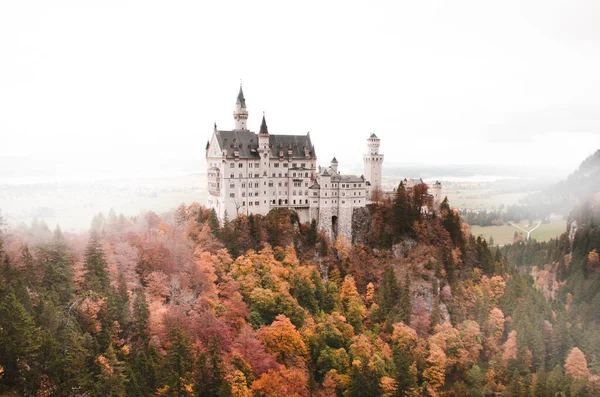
243 140
263 126
294 142
334 161
240 98
246 142
348 178
373 136
414 181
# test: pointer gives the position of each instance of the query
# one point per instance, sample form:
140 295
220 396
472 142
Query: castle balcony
214 181
291 206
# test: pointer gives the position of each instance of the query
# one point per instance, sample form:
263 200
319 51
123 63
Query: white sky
136 85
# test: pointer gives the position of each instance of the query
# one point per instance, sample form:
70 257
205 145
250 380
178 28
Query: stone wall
361 224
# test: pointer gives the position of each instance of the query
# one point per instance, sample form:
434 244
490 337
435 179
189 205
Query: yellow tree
282 339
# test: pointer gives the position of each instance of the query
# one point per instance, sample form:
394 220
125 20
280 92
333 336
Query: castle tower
240 115
373 162
334 165
264 159
435 190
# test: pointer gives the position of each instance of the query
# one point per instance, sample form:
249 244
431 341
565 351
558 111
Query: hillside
561 197
180 305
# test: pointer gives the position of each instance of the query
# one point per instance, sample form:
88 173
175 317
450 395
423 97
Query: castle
250 173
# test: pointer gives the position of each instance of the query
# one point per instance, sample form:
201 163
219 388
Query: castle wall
345 222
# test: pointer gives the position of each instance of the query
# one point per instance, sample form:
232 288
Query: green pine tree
95 277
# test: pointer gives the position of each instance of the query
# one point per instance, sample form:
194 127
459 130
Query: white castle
250 173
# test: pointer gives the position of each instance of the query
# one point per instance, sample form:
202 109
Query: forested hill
561 197
179 304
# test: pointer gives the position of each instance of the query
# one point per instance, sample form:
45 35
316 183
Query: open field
504 234
477 199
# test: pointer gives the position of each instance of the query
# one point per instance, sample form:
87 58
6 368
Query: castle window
273 175
294 201
232 165
249 165
250 203
256 184
325 194
257 165
231 185
241 165
231 194
270 184
243 203
306 174
303 165
343 202
280 174
285 165
295 165
286 184
243 184
232 176
243 194
257 203
256 176
241 176
306 201
306 192
299 192
280 184
276 165
294 175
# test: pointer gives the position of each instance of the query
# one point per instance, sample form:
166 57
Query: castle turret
263 136
240 115
334 165
373 162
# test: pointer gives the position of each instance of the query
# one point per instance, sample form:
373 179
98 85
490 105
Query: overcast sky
125 86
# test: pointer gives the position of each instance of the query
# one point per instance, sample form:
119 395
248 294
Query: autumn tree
576 364
282 339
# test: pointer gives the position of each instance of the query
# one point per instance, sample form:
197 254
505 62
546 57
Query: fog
129 90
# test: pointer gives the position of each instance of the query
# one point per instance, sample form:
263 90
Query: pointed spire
240 98
334 161
263 126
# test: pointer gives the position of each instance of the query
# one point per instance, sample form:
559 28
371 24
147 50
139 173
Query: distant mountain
561 197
